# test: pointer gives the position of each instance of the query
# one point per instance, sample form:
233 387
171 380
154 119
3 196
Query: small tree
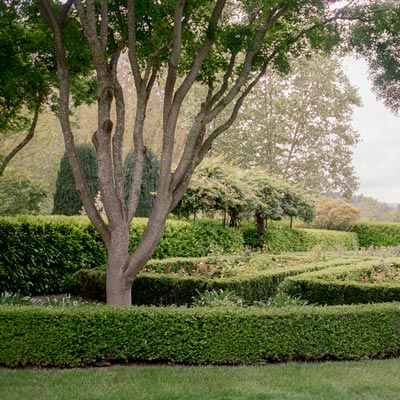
66 198
335 214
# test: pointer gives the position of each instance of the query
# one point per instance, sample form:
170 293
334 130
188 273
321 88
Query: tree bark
260 225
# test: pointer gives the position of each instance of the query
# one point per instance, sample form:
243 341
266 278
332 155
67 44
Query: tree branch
28 137
64 111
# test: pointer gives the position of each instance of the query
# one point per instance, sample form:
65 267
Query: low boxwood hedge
39 253
75 336
257 281
377 234
362 282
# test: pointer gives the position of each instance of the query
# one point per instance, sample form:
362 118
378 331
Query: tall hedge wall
38 253
75 336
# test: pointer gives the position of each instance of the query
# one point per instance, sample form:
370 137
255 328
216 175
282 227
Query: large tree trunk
118 288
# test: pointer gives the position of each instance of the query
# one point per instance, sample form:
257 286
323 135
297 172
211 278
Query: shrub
18 195
362 282
66 198
335 214
191 239
75 336
375 234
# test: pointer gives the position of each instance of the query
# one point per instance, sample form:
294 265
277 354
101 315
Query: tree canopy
28 71
298 127
376 38
217 186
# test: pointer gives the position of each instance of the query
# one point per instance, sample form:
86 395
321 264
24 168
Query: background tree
299 127
148 188
336 214
201 41
28 72
372 210
18 195
66 198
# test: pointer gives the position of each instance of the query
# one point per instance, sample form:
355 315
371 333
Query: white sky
377 156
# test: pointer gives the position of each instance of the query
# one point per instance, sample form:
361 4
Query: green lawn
365 380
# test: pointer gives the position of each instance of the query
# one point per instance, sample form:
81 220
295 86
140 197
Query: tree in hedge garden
217 186
66 197
298 127
225 44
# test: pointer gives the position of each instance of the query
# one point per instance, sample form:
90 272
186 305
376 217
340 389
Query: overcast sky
377 157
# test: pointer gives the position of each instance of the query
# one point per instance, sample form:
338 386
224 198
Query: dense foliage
19 195
376 234
66 198
336 214
279 238
298 127
217 186
39 253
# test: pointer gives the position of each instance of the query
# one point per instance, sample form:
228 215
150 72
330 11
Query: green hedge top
377 234
75 336
254 280
280 238
366 281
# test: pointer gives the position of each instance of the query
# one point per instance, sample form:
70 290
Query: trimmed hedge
253 283
39 253
75 336
377 234
345 285
281 238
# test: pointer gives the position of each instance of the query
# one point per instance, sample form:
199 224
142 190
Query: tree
28 72
335 214
376 38
217 186
299 127
372 210
66 198
226 45
148 188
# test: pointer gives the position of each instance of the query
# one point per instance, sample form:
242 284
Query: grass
364 380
